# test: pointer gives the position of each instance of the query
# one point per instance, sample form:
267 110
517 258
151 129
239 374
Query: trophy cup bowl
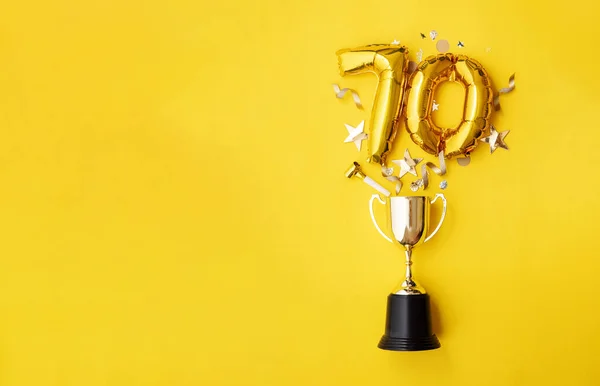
408 319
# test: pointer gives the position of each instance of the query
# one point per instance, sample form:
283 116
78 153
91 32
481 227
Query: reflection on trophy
408 319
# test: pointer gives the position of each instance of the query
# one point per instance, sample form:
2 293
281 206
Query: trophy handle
437 228
373 197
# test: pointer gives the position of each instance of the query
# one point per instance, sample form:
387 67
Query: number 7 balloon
389 63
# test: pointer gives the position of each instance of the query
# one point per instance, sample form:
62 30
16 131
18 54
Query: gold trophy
408 319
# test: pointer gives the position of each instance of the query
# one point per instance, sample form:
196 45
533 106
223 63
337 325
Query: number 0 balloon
477 109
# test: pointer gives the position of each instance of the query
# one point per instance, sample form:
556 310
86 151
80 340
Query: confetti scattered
443 184
433 34
387 173
435 107
496 139
356 134
420 55
505 90
396 42
489 49
339 93
443 46
439 171
407 164
414 186
460 44
463 161
423 36
412 67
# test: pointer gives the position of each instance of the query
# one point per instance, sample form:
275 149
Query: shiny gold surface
478 106
354 170
389 63
408 221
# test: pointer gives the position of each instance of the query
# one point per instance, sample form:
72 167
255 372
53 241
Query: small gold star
496 139
407 164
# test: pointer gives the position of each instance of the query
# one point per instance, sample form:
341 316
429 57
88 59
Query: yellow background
174 211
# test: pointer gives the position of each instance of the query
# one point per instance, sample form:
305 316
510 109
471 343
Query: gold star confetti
356 134
460 44
396 42
407 164
423 35
435 107
496 139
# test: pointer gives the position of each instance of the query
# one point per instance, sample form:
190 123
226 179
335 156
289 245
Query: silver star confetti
407 164
443 184
433 34
419 55
396 42
356 134
496 139
435 107
461 44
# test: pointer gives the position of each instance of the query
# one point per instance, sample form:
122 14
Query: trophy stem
409 286
409 265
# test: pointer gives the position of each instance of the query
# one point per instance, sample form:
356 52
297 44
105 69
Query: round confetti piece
442 46
412 66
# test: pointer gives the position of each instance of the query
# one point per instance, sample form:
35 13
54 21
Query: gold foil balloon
478 107
389 63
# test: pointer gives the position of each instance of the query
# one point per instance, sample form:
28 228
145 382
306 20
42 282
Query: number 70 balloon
390 64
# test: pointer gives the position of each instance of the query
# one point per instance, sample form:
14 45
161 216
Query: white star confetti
395 42
356 134
419 55
435 107
407 164
433 34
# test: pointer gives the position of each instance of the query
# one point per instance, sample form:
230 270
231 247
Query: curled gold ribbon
505 90
387 174
340 93
440 171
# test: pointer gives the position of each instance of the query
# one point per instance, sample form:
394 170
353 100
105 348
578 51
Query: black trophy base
408 324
